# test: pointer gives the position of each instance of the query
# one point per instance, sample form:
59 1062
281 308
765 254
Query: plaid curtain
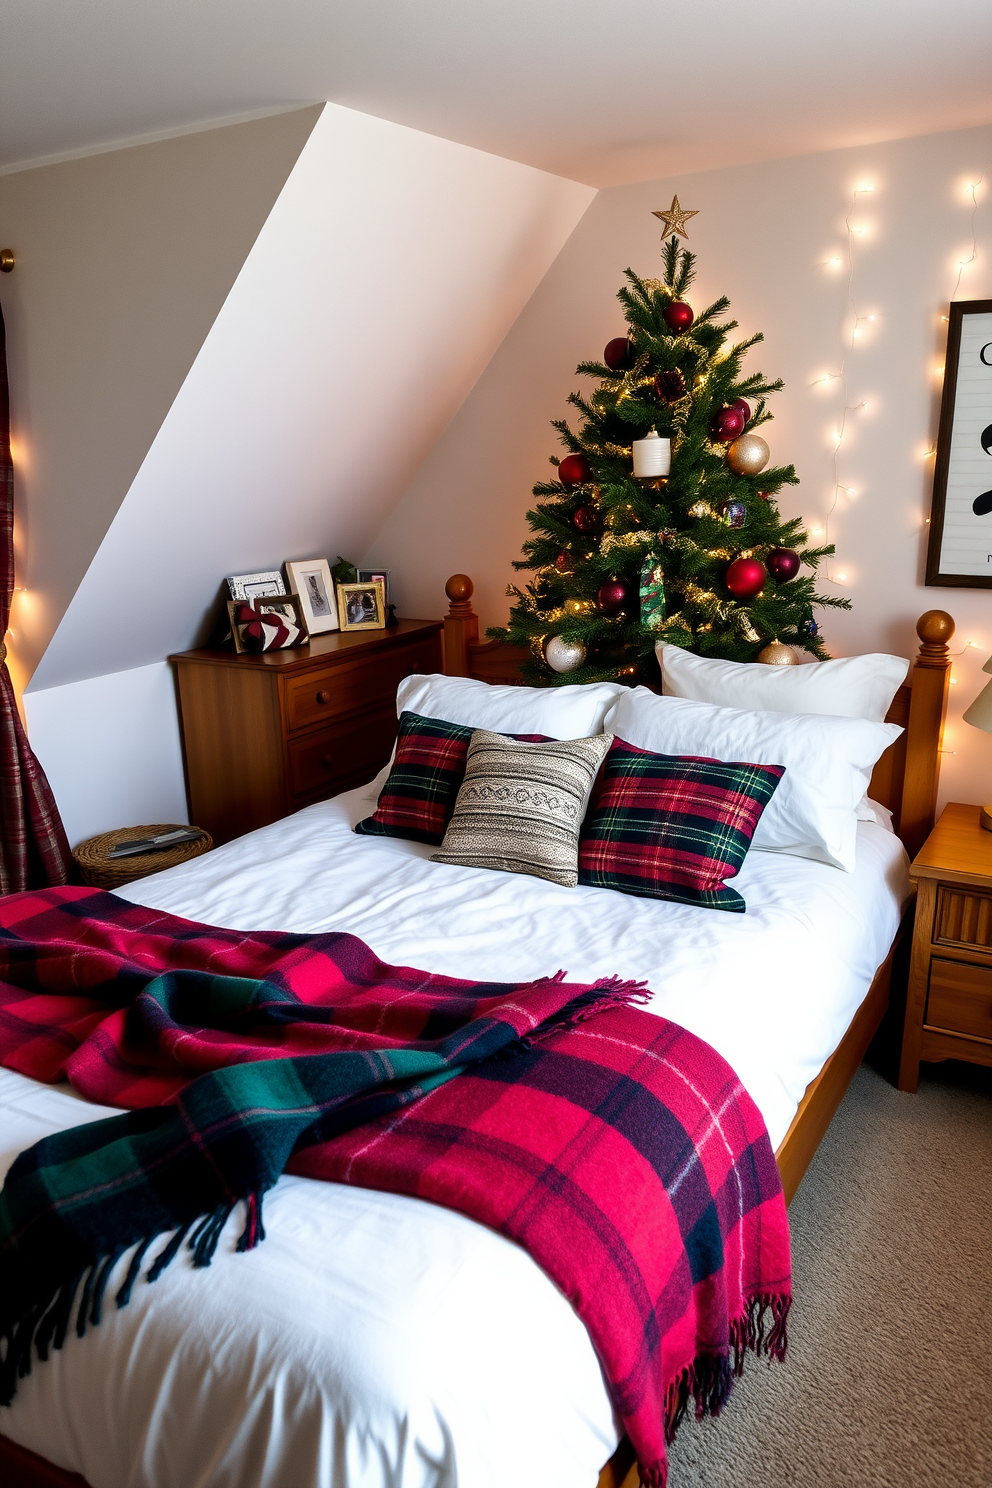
33 846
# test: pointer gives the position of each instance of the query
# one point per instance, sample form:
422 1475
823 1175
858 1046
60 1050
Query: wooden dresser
266 734
949 1000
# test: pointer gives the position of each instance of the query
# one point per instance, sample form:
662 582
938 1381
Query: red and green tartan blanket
621 1151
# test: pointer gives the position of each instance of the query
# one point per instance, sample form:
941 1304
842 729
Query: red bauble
585 519
611 597
574 470
563 563
678 316
783 564
727 424
742 407
745 577
619 354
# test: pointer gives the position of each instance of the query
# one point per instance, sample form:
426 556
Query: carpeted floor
888 1383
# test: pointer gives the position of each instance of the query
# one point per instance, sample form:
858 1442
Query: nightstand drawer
960 998
964 917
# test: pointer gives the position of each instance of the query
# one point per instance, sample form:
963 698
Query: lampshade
980 712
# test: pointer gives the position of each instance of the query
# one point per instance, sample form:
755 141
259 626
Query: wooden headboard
905 778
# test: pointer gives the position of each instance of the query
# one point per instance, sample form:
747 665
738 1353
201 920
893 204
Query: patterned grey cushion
520 806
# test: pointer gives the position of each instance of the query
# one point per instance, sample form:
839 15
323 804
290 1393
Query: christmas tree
628 550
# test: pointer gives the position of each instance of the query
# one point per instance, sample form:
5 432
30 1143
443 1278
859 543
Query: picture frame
287 606
310 578
959 550
362 606
248 586
370 575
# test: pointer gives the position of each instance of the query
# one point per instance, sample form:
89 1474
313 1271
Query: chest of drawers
266 734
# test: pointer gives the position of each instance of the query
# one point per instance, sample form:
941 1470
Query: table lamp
980 715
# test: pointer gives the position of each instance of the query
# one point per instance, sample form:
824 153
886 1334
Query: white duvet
377 1341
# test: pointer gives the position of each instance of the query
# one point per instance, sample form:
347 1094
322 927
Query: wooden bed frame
904 780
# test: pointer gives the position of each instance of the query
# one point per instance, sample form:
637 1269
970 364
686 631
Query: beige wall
123 261
764 236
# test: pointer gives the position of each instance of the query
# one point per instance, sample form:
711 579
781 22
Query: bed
354 1332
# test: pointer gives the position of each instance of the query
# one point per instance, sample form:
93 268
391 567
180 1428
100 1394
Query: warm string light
963 263
858 322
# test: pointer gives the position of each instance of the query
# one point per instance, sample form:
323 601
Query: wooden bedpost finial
934 629
459 590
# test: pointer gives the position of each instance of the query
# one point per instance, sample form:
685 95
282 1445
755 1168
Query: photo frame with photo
310 578
362 606
959 550
255 585
268 623
371 575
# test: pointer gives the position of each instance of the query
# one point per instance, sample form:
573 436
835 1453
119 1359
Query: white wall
110 747
764 235
386 275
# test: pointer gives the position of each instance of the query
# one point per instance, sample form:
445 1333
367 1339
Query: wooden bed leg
461 625
928 704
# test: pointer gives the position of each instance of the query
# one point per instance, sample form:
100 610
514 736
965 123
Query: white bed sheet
375 1339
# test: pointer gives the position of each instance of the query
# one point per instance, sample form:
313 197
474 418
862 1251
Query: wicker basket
102 872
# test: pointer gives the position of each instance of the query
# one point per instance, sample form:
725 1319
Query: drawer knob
323 697
327 760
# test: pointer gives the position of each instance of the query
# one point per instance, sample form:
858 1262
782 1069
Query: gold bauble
748 455
777 654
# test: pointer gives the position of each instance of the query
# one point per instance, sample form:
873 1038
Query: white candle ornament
652 455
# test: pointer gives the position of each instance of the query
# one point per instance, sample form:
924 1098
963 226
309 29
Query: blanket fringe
761 1328
44 1326
606 993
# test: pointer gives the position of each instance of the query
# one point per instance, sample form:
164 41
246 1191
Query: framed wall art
959 553
310 578
362 606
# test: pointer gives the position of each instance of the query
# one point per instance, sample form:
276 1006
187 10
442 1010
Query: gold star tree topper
675 219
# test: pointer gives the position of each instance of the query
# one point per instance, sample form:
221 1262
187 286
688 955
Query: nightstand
949 999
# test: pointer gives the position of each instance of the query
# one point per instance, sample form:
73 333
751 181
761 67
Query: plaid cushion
672 828
419 795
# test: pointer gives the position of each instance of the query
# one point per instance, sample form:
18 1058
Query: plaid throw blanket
617 1148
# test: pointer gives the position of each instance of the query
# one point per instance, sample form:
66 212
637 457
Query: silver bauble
748 455
777 654
563 655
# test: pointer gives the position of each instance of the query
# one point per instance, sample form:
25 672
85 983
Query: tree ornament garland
642 475
727 424
775 654
619 354
564 655
783 564
678 316
748 455
574 470
745 577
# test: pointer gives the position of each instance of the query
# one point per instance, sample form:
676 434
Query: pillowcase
420 790
849 687
670 828
520 806
572 712
828 763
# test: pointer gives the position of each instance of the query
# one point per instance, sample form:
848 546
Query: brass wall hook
6 261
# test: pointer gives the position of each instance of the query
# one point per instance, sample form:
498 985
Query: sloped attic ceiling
387 273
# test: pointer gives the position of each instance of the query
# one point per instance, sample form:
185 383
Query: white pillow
572 712
850 687
828 762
